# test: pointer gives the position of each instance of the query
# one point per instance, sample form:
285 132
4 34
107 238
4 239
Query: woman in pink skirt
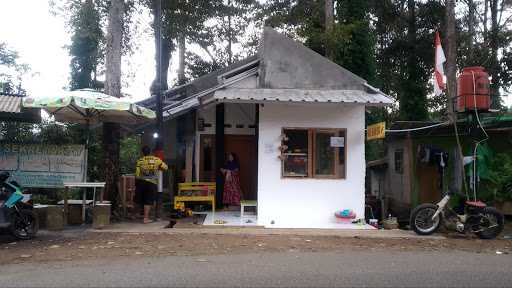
232 191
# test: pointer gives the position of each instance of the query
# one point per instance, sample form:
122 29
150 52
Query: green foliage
498 185
487 42
209 26
358 55
85 49
11 71
130 152
405 56
17 132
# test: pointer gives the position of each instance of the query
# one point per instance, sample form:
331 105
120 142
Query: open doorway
244 146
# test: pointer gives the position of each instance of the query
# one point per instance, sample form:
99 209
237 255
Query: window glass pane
325 155
295 154
341 155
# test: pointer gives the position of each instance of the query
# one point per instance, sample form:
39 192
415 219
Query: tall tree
329 22
165 44
451 57
359 56
85 48
111 131
485 41
11 71
413 96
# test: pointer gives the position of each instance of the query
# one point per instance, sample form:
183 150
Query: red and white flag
439 76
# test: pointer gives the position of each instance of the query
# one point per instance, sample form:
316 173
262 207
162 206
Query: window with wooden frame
313 153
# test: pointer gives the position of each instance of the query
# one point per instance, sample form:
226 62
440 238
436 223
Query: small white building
295 119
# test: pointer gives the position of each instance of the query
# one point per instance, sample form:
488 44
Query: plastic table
94 185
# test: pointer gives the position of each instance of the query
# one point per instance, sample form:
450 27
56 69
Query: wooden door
428 183
244 146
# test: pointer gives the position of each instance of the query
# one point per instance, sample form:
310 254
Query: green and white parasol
90 107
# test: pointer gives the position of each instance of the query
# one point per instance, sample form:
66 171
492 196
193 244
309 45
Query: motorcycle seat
478 204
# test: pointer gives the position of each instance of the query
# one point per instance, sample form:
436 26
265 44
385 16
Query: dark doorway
207 158
244 146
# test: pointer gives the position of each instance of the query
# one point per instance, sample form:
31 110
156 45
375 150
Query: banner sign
43 166
376 131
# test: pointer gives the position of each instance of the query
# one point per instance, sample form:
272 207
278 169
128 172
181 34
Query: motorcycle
476 217
15 215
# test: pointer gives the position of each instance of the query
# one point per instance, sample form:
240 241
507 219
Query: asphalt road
369 269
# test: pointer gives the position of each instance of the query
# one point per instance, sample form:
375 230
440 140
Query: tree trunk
166 45
494 65
451 58
230 36
329 22
181 68
471 31
111 131
486 10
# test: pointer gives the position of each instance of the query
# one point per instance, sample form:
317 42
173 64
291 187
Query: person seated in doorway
232 191
147 171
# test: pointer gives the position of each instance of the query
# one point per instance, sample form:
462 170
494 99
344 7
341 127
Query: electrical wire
419 128
461 156
475 182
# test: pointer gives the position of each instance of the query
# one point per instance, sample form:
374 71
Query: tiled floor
331 225
230 218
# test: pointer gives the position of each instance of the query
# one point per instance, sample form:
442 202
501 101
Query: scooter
478 218
16 216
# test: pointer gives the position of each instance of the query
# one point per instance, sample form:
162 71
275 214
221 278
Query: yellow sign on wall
376 131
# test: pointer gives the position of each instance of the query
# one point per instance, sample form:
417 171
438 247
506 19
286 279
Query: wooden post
219 152
66 208
122 189
84 198
101 194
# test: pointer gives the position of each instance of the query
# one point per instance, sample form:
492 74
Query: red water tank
473 84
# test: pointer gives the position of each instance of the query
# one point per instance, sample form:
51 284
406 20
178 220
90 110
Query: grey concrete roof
287 63
10 103
281 64
302 95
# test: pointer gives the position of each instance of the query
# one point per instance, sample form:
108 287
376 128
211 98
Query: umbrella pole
87 136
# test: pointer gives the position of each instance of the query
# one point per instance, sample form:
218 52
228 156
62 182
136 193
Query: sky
40 39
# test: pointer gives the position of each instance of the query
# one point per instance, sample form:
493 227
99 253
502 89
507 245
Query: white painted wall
308 203
234 113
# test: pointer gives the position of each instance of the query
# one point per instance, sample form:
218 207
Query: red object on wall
473 84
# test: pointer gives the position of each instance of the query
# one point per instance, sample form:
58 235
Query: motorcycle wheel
421 219
24 224
491 217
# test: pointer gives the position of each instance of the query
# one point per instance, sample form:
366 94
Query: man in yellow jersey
147 171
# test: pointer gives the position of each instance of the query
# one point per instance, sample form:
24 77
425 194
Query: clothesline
415 129
419 128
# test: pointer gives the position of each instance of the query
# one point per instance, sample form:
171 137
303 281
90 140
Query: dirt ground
89 245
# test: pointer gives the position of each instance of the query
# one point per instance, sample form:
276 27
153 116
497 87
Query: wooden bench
195 192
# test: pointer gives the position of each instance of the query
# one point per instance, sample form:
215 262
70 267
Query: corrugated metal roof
10 104
299 95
